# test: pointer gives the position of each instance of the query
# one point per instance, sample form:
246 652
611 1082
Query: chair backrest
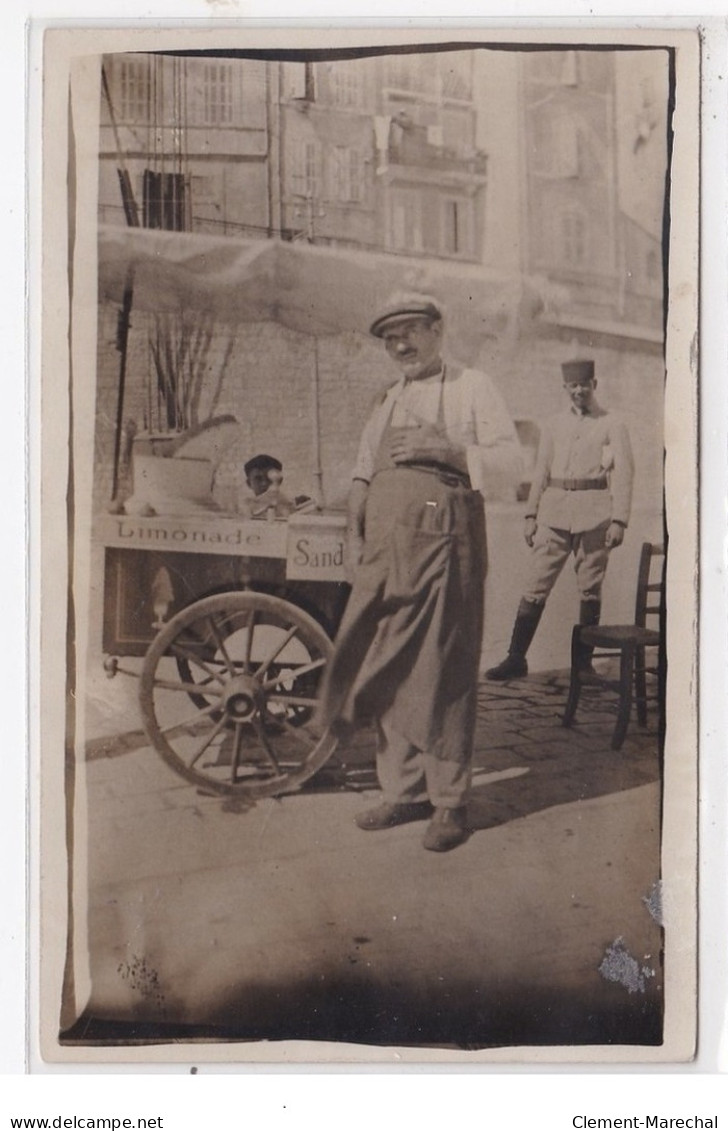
650 585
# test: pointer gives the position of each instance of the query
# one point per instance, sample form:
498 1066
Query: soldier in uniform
578 506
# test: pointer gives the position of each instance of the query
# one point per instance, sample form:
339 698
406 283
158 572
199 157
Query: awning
310 289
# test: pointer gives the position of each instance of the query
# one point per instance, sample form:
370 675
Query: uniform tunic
409 644
578 448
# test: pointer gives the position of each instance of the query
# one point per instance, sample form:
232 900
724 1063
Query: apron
408 648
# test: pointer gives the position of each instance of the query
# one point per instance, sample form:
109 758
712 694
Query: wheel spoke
188 654
187 723
298 733
220 641
293 700
188 688
249 642
265 743
260 672
208 741
249 664
295 673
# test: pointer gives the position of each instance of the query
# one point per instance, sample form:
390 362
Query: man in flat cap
407 651
579 506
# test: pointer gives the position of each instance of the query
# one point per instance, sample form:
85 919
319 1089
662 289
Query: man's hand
421 443
529 529
614 536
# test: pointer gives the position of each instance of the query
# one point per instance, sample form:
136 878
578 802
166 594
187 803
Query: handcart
234 622
234 617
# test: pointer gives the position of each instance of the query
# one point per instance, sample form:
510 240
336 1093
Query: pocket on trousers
418 559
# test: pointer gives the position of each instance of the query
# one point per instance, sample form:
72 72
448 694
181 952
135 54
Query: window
346 175
457 131
546 67
164 201
134 91
304 168
574 237
346 85
405 223
218 94
457 227
422 220
412 72
456 75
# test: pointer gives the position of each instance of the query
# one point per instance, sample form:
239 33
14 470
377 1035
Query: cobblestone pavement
281 921
520 733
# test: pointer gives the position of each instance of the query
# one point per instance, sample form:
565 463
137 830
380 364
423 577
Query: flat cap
402 307
578 372
262 463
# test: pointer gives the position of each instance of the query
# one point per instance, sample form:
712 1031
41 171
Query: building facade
388 153
578 159
376 153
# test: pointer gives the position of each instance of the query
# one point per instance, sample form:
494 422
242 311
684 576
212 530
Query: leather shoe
447 829
513 667
386 816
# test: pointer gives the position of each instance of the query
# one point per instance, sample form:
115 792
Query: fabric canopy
310 289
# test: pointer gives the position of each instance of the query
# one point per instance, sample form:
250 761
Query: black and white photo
375 473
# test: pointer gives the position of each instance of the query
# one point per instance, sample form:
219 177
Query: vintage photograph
373 556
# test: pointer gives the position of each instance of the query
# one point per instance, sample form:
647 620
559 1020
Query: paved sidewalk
212 918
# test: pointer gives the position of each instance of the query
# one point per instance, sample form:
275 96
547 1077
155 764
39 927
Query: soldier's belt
580 484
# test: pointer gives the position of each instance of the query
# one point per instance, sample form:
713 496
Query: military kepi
578 372
401 308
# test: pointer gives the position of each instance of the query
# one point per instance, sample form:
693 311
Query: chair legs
640 686
629 654
626 678
572 701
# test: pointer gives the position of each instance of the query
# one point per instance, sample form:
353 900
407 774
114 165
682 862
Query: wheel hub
243 698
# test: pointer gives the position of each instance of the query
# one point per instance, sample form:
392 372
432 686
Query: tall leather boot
589 614
514 666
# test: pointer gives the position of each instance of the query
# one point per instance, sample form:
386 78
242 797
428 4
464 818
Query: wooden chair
630 642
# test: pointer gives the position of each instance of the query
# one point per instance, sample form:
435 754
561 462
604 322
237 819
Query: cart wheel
191 674
254 663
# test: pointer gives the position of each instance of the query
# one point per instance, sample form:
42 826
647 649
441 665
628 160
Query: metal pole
318 470
122 341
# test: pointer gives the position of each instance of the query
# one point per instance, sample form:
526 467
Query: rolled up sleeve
369 444
495 463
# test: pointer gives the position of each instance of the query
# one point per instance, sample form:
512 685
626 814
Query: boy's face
581 393
258 480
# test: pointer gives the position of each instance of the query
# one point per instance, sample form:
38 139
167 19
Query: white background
355 1098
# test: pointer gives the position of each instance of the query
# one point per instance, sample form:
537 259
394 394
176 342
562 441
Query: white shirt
475 419
586 445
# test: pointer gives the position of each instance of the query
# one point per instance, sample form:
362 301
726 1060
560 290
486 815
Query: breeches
550 550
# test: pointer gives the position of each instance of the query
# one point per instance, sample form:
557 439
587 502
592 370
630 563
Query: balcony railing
414 149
